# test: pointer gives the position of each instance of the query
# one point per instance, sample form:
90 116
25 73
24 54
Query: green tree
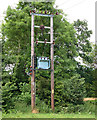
83 36
16 38
75 89
85 51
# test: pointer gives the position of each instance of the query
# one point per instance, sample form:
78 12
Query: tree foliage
86 53
16 46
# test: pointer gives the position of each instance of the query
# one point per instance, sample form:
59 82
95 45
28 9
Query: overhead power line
82 1
66 1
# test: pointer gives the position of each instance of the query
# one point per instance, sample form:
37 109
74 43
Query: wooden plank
87 99
44 42
52 64
39 26
32 64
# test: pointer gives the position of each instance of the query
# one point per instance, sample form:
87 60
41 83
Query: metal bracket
43 69
45 15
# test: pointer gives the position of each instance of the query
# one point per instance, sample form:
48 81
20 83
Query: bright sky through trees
75 9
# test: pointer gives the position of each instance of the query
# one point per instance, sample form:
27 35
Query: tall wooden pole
52 64
32 64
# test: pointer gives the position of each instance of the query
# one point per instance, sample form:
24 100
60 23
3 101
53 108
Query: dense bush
25 105
90 106
86 107
75 89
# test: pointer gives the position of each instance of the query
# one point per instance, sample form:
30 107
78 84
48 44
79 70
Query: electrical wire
73 5
63 3
82 1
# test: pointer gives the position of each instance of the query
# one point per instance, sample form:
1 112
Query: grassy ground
45 115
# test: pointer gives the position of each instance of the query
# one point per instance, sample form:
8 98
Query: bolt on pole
32 64
52 64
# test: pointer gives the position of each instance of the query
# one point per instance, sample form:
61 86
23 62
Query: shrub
42 106
87 107
75 90
90 106
22 107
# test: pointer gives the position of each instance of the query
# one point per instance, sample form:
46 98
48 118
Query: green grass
45 115
24 111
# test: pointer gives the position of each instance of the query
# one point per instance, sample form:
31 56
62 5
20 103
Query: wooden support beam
52 64
44 42
32 64
39 27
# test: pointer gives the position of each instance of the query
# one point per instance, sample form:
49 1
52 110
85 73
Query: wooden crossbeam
44 42
39 27
43 69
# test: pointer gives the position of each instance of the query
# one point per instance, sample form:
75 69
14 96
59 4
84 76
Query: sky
75 9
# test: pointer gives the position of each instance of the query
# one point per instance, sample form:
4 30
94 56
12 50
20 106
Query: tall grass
23 110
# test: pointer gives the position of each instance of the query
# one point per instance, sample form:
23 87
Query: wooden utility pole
32 64
52 64
32 58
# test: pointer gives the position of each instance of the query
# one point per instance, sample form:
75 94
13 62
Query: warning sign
52 91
